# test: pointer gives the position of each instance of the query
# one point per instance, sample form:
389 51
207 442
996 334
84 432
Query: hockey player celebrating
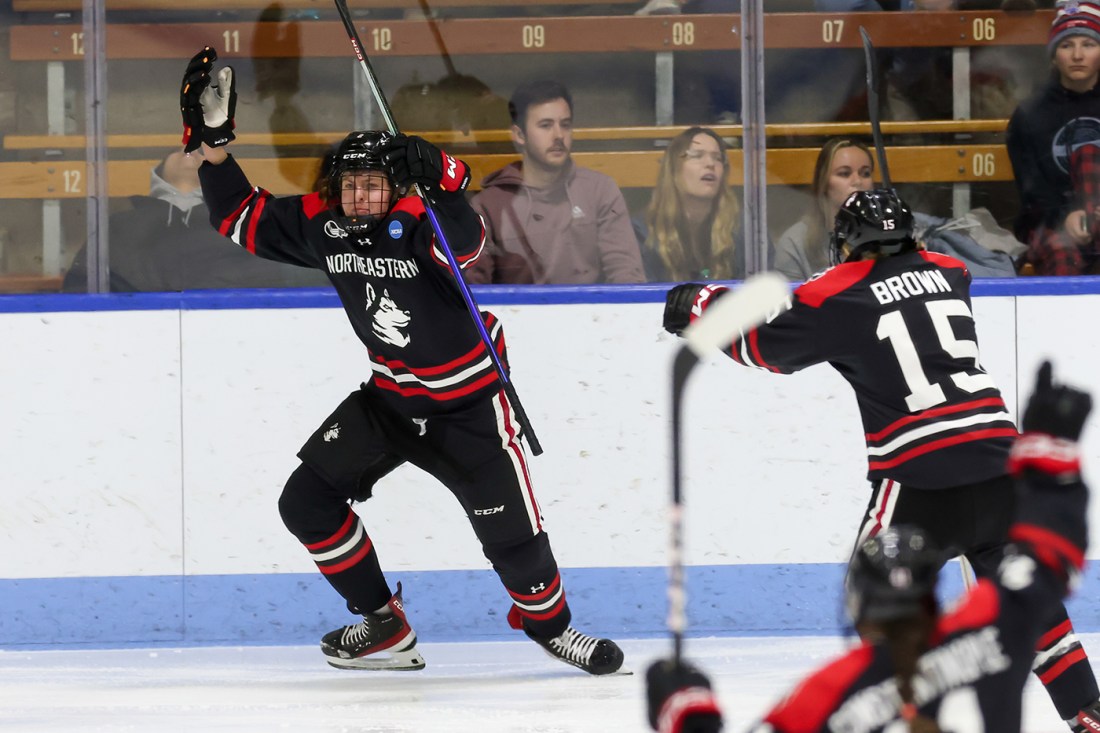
896 322
917 670
434 399
964 670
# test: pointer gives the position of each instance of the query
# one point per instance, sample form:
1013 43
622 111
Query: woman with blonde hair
843 166
692 225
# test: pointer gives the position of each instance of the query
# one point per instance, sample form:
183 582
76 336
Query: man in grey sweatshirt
547 220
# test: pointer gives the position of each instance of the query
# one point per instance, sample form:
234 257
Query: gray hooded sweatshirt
576 231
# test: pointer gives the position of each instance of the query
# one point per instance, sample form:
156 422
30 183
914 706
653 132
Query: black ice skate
377 642
595 656
1087 721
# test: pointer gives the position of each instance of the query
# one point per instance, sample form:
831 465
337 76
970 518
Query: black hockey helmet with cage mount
893 576
359 151
876 220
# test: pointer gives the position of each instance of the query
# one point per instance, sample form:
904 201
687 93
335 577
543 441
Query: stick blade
740 311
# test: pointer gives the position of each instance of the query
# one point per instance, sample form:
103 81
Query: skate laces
356 634
574 646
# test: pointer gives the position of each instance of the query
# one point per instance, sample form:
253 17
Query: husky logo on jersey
396 230
332 229
332 433
387 318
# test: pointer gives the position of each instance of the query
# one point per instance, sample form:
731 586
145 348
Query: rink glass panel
300 89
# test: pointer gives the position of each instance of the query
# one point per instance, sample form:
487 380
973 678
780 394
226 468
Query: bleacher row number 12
72 178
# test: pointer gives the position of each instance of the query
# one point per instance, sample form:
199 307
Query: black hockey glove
686 302
679 698
207 108
1051 499
1056 409
410 159
1052 424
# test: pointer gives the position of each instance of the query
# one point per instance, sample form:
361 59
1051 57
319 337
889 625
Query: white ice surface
466 688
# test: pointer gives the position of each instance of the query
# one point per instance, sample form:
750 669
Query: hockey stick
460 281
872 105
727 319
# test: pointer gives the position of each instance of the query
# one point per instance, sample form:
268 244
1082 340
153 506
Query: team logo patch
333 230
396 230
1075 134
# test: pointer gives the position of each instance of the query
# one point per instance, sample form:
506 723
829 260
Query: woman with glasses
692 227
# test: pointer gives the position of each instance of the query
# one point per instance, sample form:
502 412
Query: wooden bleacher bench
786 166
489 36
475 137
30 284
53 6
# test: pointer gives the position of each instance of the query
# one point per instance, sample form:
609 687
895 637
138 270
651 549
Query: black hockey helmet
873 220
893 576
360 151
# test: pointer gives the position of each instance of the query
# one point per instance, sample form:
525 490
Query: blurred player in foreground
919 670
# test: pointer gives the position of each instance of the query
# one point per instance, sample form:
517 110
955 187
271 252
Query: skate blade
408 660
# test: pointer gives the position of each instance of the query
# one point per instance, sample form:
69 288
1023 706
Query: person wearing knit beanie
1074 19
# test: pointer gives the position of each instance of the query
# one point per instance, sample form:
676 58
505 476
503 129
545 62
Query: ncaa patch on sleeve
396 230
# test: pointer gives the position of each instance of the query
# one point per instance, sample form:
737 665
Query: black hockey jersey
395 285
972 677
900 330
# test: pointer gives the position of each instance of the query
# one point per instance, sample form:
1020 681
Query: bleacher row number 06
983 165
984 29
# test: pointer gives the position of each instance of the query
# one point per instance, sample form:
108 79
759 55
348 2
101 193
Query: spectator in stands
548 220
843 166
692 226
846 165
1052 141
164 243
